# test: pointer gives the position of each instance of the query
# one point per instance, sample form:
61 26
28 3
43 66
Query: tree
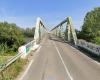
91 27
11 35
29 32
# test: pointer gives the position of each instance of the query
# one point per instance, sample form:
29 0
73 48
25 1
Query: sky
25 12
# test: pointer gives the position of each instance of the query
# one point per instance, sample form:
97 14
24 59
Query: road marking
93 61
97 63
36 53
72 47
27 70
38 49
24 74
71 78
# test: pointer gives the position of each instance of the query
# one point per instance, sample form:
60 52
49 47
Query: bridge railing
27 48
22 53
10 61
95 49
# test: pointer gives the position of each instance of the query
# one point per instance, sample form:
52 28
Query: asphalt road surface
57 60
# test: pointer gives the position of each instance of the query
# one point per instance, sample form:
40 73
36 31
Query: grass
97 40
13 70
3 59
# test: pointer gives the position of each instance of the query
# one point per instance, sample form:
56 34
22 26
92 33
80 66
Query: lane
57 60
79 65
54 69
67 71
48 65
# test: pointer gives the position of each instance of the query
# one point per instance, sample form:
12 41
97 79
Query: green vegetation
3 59
29 32
13 70
11 37
91 27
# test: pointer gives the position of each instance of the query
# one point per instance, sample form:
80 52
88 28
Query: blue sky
25 12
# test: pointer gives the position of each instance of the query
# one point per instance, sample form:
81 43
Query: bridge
57 55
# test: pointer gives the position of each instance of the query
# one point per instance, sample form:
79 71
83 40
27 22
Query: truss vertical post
61 31
56 32
68 32
39 32
70 26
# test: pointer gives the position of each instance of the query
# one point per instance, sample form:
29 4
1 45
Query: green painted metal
69 20
40 30
71 34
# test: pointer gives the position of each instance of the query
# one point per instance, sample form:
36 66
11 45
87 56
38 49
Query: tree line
12 36
91 27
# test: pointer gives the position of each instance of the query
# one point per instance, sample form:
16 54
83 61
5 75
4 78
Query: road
57 60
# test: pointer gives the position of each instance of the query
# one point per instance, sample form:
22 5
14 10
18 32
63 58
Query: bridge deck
57 60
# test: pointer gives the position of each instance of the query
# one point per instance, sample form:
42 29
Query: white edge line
29 66
38 49
27 70
93 61
71 78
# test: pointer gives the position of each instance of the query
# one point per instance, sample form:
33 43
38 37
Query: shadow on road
84 51
57 39
89 54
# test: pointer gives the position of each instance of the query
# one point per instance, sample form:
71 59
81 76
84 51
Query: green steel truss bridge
57 55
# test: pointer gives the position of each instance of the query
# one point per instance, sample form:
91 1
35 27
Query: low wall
27 48
95 49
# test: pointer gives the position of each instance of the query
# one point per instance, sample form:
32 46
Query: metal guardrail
10 61
95 49
13 59
24 50
29 45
